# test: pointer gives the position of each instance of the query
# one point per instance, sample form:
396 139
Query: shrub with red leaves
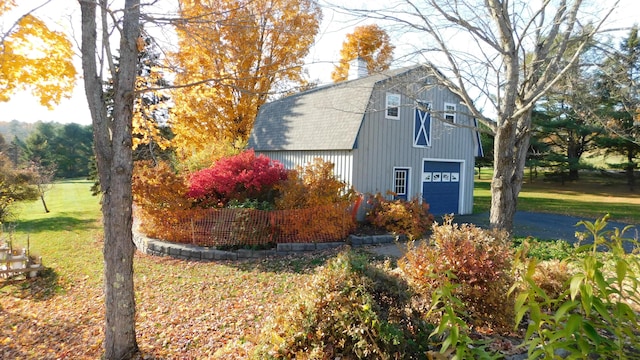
239 177
477 262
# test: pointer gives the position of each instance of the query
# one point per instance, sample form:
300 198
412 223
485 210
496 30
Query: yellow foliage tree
234 54
369 42
36 58
151 105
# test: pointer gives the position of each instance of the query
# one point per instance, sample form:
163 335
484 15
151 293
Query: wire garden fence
251 227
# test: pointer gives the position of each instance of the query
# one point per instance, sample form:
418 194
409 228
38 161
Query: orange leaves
411 218
236 54
36 58
369 42
313 185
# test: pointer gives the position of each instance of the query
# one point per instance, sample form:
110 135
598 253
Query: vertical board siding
341 159
384 144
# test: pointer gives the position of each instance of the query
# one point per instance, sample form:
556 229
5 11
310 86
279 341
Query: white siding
341 159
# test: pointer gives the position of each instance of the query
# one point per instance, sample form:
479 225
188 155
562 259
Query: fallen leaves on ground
185 310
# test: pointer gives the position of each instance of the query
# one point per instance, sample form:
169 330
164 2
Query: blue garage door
441 186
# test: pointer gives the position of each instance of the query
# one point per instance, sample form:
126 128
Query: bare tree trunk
113 147
46 209
631 179
510 153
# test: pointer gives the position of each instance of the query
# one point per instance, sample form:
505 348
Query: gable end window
449 113
392 109
422 125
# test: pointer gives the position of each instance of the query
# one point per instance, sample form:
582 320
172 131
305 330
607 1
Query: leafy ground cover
186 310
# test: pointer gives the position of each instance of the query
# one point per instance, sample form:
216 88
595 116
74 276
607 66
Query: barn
398 131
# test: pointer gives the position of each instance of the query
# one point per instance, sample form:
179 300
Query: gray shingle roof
324 118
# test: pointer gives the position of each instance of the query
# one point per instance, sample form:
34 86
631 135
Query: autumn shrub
159 194
240 177
15 185
349 310
597 313
411 218
478 262
312 185
315 186
552 276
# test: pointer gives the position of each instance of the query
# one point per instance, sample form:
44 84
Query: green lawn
66 237
591 197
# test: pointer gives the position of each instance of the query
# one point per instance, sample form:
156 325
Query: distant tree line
595 110
66 147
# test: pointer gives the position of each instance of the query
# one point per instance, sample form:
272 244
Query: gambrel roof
324 118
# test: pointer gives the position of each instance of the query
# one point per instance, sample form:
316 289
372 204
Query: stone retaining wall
192 252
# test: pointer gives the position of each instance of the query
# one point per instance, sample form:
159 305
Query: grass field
185 310
590 197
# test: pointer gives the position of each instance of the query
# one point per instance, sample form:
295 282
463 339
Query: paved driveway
539 225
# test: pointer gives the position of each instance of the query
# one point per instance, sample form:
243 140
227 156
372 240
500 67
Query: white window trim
387 107
407 185
446 113
428 106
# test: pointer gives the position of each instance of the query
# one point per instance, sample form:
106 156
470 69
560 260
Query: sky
323 55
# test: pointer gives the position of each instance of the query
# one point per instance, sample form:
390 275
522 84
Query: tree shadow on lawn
58 223
40 288
39 338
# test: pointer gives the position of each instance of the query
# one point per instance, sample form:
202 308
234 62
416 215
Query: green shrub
250 204
349 310
597 314
452 331
478 262
399 216
544 250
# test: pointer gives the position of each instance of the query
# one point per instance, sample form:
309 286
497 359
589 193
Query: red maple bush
238 177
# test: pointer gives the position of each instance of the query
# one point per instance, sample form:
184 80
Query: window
450 113
401 182
422 125
393 106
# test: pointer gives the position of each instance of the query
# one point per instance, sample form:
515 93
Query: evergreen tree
620 102
15 151
74 150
